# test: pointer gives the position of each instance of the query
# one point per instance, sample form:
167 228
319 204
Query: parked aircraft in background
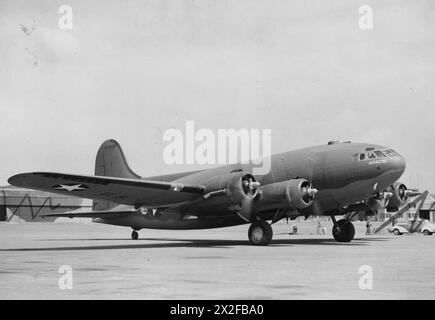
331 179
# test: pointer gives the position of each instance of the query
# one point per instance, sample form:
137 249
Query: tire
396 232
427 233
344 231
134 235
260 233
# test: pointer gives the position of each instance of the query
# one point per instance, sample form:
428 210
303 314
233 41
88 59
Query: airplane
325 180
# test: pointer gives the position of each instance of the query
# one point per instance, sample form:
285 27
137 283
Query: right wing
133 192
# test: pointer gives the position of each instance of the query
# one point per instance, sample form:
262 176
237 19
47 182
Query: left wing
134 192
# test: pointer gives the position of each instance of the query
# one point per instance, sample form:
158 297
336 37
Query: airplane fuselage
343 174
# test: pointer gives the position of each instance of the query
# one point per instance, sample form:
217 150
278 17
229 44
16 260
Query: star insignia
70 187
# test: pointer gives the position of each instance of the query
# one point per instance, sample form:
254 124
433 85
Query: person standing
369 227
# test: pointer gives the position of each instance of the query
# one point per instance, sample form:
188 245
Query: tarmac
102 262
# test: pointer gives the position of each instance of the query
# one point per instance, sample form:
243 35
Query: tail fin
110 161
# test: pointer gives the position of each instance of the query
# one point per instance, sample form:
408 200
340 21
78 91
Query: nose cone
397 165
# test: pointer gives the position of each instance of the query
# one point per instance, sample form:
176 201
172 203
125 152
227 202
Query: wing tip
15 179
19 179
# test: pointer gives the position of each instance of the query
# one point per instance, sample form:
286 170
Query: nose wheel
134 235
343 230
260 233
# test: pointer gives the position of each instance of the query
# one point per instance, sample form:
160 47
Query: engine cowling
293 194
399 195
237 187
240 187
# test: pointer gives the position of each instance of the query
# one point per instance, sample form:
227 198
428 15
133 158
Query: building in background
426 211
17 204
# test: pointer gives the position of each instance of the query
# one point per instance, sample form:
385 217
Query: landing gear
134 235
343 230
260 233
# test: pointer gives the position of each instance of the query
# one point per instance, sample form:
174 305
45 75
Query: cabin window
362 156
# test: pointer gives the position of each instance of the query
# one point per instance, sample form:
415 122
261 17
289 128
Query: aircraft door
424 214
3 215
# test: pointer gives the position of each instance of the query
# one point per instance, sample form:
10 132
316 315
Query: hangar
426 211
18 204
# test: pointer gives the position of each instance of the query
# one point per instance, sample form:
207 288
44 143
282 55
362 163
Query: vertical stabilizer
110 162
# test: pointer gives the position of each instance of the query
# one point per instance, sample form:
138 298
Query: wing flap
134 192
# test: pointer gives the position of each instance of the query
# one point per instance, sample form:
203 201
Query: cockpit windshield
380 154
391 153
374 154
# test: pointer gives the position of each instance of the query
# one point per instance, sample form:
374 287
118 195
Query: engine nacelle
241 186
293 194
399 195
237 186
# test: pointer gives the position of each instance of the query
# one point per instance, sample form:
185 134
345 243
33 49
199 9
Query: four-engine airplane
331 179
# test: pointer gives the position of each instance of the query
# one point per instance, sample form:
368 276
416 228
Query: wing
134 192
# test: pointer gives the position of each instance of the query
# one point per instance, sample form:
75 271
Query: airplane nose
401 163
398 164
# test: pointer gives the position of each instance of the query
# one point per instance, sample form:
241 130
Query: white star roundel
70 187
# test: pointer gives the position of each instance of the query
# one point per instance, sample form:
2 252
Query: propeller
412 193
249 185
309 193
403 192
250 188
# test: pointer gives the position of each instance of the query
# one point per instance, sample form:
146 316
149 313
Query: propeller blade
246 208
250 187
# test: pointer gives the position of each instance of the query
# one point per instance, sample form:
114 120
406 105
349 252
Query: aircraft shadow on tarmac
194 243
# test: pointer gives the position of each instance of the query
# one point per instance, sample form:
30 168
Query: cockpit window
371 155
379 154
390 153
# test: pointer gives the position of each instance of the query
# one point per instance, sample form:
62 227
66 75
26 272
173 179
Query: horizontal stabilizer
106 214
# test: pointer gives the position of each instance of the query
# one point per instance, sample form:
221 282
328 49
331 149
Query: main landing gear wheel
134 235
343 231
260 233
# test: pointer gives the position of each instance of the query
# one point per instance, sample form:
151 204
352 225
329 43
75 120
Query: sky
130 70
